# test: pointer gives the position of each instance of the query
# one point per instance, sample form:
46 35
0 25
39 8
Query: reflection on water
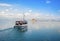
38 31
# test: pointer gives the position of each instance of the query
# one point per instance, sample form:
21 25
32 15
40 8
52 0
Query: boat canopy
20 22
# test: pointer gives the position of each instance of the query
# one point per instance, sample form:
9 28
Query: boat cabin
20 22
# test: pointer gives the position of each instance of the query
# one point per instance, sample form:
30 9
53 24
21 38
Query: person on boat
21 22
17 23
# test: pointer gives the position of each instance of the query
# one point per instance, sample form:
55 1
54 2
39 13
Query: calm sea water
37 31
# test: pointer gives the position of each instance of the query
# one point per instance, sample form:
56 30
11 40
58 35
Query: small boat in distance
21 24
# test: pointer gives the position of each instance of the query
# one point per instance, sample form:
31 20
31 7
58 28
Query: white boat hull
21 27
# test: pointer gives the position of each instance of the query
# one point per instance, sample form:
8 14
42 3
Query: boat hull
21 28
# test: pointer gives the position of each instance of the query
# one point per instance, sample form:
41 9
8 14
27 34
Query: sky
44 8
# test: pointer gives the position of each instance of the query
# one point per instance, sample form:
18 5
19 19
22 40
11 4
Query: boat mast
23 16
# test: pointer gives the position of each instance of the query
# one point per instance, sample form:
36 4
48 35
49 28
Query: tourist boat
21 25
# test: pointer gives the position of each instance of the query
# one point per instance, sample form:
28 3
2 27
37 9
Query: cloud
48 1
37 16
10 16
59 11
5 4
7 10
11 12
2 12
30 10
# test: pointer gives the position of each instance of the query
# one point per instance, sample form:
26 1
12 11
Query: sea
36 31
